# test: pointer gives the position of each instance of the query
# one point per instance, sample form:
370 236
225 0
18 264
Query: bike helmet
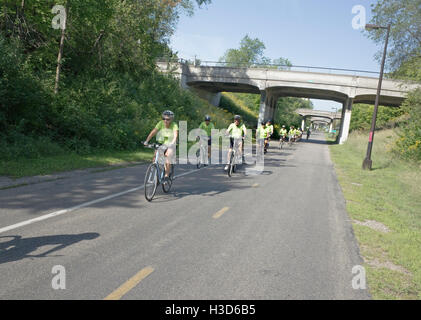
207 118
263 123
237 117
168 113
283 126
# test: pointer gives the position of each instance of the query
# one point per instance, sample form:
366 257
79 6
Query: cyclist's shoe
226 168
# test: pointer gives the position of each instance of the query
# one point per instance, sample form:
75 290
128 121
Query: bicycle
202 152
234 158
291 140
281 142
156 172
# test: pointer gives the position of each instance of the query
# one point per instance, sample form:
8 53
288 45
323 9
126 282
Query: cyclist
269 128
207 126
298 134
308 132
283 133
261 135
236 130
291 134
167 134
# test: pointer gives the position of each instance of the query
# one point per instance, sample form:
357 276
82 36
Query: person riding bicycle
291 134
261 135
208 126
283 133
236 131
298 134
167 134
269 129
308 132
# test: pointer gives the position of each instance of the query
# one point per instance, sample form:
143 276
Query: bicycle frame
159 161
203 150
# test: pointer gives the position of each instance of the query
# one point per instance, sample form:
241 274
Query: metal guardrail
199 63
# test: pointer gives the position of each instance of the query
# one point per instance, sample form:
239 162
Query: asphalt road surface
282 234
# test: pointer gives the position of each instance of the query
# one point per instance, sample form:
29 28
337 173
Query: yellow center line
130 284
220 212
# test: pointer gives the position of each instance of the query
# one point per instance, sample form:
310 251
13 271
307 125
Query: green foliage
409 70
405 36
251 53
110 95
285 112
362 115
24 102
235 105
409 143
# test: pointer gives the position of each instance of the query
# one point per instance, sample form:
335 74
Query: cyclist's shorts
209 141
174 152
232 142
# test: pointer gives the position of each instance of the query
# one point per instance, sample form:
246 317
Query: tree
282 64
405 36
249 53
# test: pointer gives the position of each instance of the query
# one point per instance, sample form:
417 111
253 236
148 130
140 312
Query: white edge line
83 205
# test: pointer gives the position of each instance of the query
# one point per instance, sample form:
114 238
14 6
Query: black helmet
263 123
168 113
237 117
269 121
207 118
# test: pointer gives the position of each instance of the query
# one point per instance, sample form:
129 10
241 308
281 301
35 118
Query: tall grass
389 194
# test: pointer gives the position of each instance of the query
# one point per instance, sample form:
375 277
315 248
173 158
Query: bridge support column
262 109
270 107
346 120
303 123
331 126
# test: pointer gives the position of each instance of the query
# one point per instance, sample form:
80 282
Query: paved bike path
283 234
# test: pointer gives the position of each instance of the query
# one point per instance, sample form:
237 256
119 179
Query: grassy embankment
385 206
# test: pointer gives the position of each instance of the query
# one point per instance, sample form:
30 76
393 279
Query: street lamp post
367 163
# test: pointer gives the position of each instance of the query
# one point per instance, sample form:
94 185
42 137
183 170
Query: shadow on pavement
19 248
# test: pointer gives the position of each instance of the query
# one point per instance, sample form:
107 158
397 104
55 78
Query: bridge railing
200 63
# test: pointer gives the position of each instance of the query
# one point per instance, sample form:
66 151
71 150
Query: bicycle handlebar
152 145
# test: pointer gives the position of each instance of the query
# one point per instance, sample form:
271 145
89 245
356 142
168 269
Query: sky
316 33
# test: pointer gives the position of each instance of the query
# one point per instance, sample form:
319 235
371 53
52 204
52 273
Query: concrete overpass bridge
316 115
318 122
271 84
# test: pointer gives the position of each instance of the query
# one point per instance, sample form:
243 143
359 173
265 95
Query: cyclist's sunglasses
166 119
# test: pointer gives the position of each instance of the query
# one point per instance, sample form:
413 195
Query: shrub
409 143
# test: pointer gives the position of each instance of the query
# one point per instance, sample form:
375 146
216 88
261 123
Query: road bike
235 157
155 173
282 141
291 140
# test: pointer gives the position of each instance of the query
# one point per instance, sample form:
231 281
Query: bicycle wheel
151 182
231 164
166 185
